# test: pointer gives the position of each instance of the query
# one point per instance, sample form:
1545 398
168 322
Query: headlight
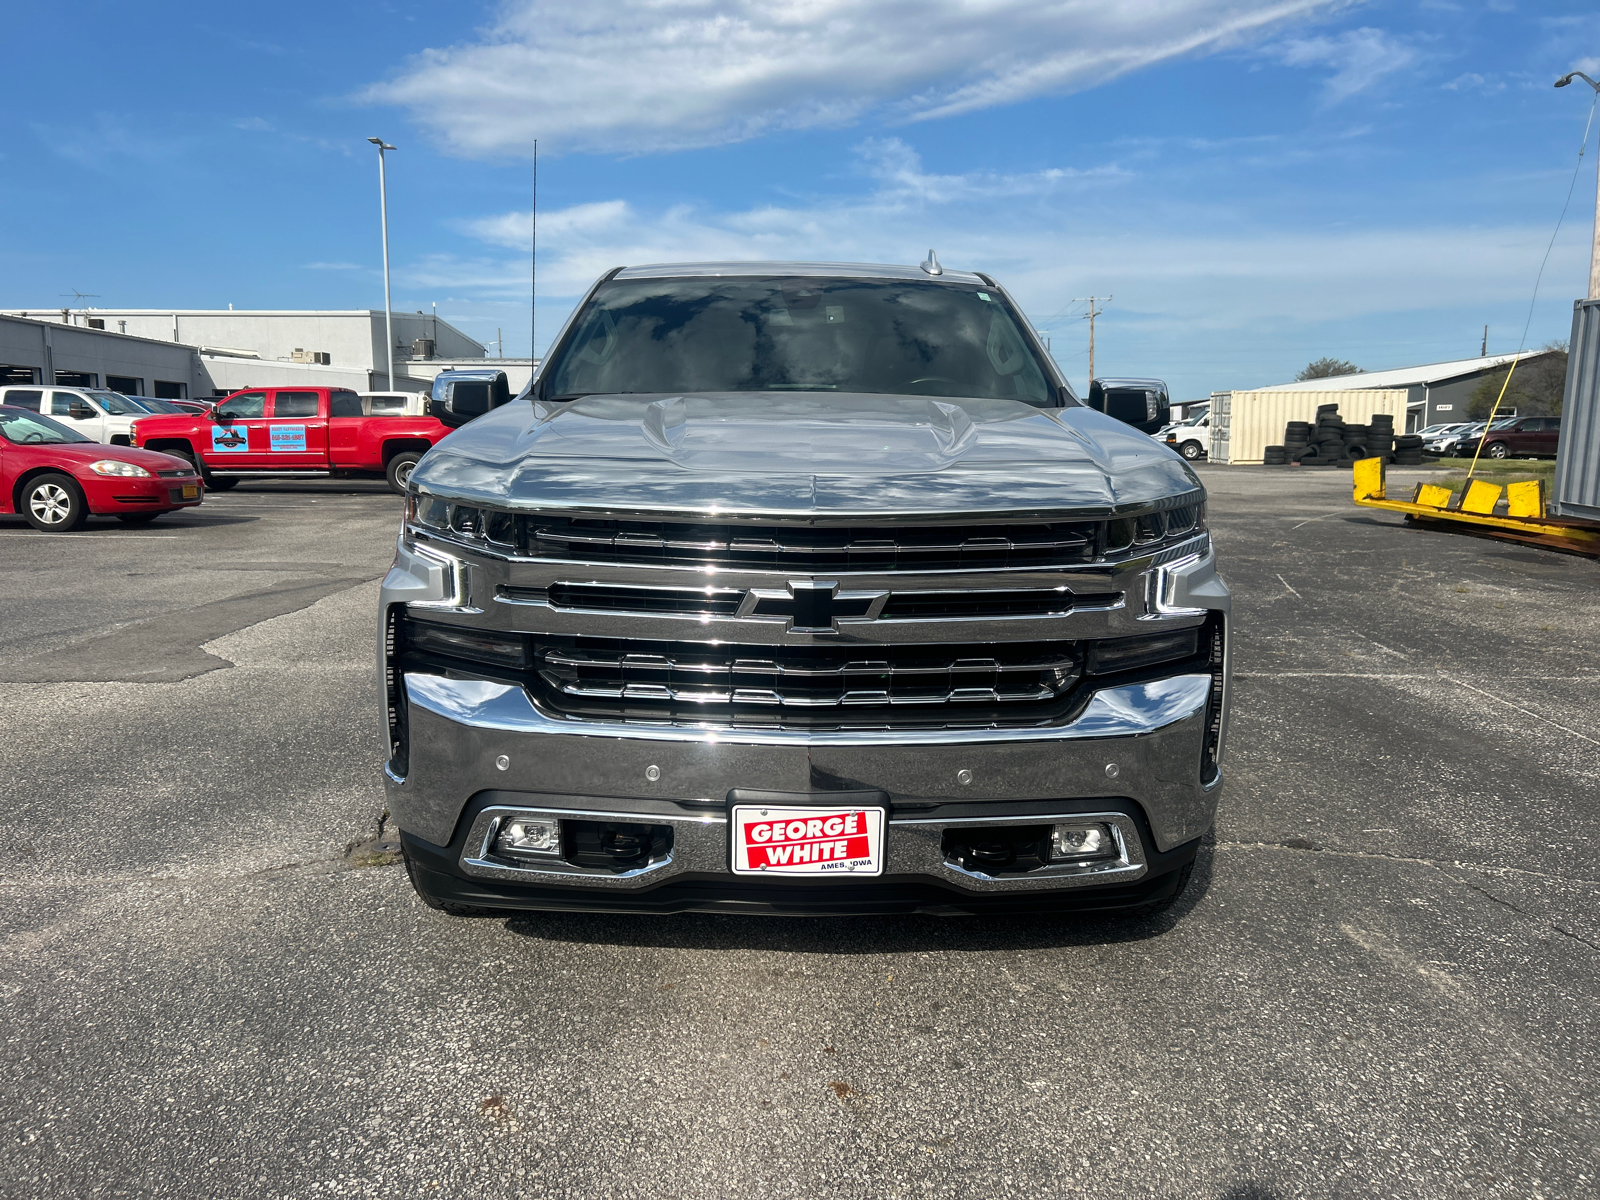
112 466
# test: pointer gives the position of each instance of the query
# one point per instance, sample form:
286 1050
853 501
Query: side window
61 403
341 404
294 404
24 398
245 404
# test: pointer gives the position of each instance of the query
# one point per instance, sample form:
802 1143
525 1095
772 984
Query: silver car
797 588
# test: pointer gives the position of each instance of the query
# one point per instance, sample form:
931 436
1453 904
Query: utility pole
1089 317
1594 252
383 208
1483 351
533 245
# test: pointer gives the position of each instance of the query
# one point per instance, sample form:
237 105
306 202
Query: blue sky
1255 183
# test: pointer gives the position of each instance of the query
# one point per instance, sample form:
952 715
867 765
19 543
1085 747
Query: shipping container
1257 419
1576 488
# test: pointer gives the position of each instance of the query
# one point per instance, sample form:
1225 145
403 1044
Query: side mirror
1146 409
465 400
80 411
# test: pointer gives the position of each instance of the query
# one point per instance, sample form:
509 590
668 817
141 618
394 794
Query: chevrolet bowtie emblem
812 605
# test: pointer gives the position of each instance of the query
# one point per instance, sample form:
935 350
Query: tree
1536 386
1327 368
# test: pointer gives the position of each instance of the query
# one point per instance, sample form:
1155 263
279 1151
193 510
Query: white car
103 416
1447 440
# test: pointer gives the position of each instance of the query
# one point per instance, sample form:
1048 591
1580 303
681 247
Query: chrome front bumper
1142 743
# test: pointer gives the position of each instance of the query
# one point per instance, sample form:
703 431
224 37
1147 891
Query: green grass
1497 470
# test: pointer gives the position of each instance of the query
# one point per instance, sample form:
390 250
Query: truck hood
801 453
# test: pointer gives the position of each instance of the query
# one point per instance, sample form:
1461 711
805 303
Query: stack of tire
1275 456
1327 438
1380 436
1296 440
1408 450
1355 444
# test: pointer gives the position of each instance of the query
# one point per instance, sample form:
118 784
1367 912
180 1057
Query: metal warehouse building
133 350
39 351
1437 393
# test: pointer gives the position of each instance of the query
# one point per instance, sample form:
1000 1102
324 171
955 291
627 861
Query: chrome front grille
799 624
766 685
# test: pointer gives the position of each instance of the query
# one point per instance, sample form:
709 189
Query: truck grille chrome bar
805 547
600 678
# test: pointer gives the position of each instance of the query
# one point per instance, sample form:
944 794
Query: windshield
150 404
798 334
118 405
30 429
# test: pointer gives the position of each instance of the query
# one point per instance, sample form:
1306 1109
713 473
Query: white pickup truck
107 417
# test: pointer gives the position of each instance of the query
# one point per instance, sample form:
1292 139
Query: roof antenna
931 264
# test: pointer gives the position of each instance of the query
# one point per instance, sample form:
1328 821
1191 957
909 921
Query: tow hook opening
1001 850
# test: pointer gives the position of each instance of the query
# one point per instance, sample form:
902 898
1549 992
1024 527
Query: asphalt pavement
214 981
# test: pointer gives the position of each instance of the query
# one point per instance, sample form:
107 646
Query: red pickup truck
289 433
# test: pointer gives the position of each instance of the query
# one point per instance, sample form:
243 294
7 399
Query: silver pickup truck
800 588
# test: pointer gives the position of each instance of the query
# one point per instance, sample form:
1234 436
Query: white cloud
1177 269
1359 58
652 75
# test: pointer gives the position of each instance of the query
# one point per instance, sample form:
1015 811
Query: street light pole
383 208
1594 253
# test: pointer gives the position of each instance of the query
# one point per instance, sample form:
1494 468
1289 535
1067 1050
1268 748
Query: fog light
1082 843
529 835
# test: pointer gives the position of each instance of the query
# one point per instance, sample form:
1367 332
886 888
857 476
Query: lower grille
979 684
815 685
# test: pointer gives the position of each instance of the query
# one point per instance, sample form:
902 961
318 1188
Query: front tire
1190 450
399 470
1498 450
1154 907
54 504
444 906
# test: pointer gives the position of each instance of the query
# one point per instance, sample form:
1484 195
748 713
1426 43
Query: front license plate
191 491
769 840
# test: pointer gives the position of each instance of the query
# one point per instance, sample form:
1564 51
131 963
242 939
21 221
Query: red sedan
56 477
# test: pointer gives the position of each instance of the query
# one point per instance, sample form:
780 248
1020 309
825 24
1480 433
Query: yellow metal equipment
1525 519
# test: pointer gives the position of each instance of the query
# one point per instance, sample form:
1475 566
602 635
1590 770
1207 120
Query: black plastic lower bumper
435 871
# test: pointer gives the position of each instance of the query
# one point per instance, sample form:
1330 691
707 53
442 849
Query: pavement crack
1303 846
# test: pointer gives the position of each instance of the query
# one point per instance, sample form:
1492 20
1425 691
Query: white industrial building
228 350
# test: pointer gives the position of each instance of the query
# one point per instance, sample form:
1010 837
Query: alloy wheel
50 503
